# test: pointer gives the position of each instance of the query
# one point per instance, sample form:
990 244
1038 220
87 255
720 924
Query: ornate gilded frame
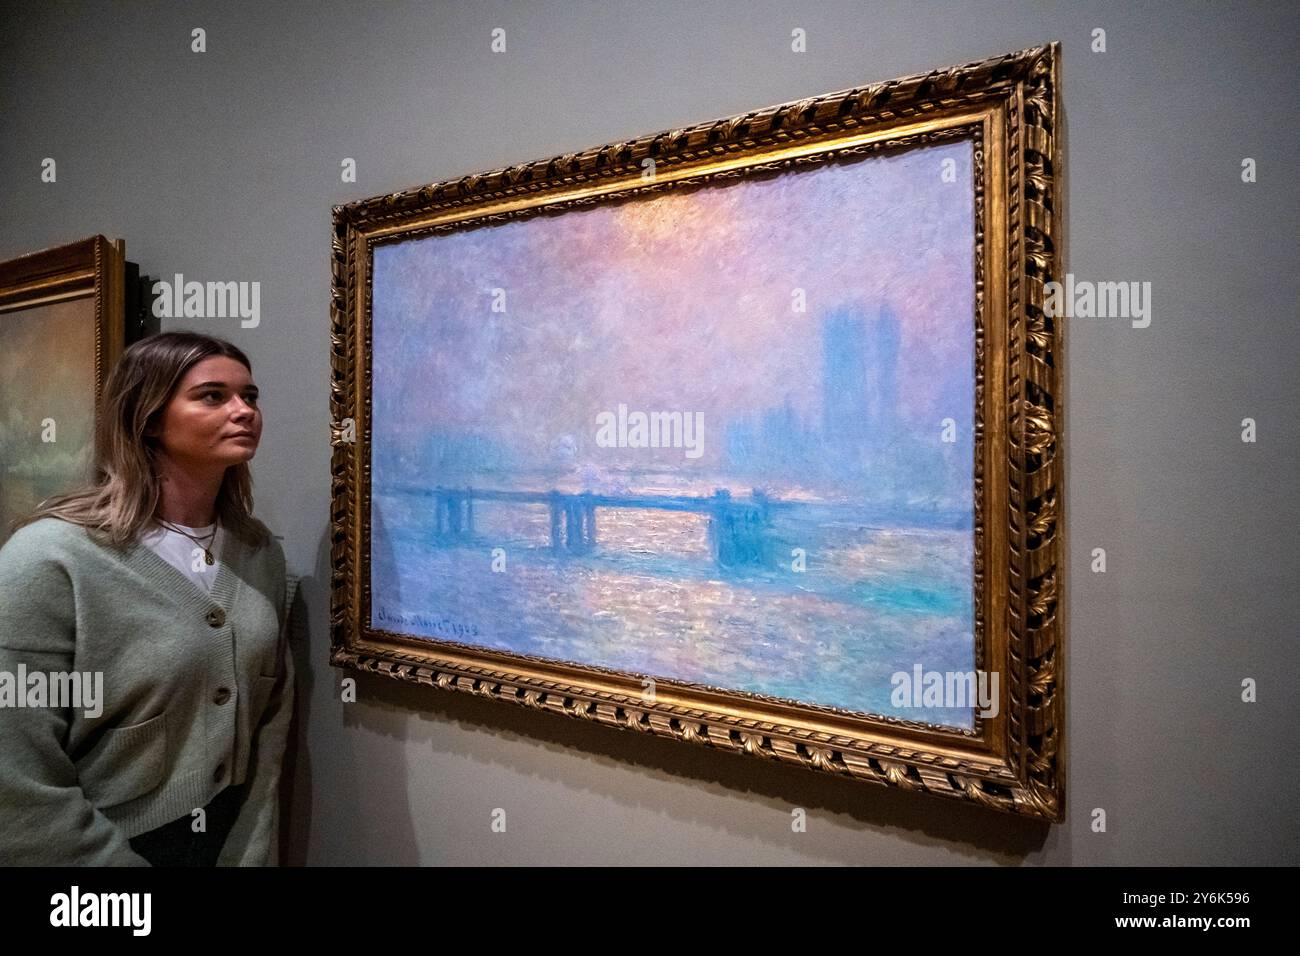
1012 761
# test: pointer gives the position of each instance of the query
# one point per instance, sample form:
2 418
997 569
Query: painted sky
681 302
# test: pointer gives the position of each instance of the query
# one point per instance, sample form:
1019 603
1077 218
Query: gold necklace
207 550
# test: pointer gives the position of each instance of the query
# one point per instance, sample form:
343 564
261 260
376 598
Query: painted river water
838 606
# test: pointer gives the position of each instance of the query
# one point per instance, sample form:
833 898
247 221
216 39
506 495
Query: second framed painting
743 433
62 328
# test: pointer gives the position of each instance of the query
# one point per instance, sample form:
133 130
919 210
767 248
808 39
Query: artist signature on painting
443 627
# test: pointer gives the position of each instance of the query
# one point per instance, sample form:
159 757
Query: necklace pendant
207 556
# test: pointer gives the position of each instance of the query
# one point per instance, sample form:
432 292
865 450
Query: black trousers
176 843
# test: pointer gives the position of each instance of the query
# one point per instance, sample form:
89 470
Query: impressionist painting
720 436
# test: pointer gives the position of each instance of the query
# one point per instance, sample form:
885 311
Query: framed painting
62 326
744 434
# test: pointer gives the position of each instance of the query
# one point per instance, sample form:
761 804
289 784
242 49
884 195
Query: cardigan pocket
127 763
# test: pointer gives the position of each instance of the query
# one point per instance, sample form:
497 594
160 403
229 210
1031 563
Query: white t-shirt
186 555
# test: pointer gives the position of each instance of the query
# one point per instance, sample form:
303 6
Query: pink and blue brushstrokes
821 325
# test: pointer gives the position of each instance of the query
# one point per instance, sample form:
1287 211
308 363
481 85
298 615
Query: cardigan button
216 617
221 696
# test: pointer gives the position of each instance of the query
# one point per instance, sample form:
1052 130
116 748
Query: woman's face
212 420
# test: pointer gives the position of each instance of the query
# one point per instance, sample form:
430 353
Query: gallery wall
223 165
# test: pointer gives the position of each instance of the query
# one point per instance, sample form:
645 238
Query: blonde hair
124 493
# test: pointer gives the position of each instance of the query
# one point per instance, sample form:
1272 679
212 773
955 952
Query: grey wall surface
224 165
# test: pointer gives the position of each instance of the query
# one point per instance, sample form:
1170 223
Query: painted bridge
737 526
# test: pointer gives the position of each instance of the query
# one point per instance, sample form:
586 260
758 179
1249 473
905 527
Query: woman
158 578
